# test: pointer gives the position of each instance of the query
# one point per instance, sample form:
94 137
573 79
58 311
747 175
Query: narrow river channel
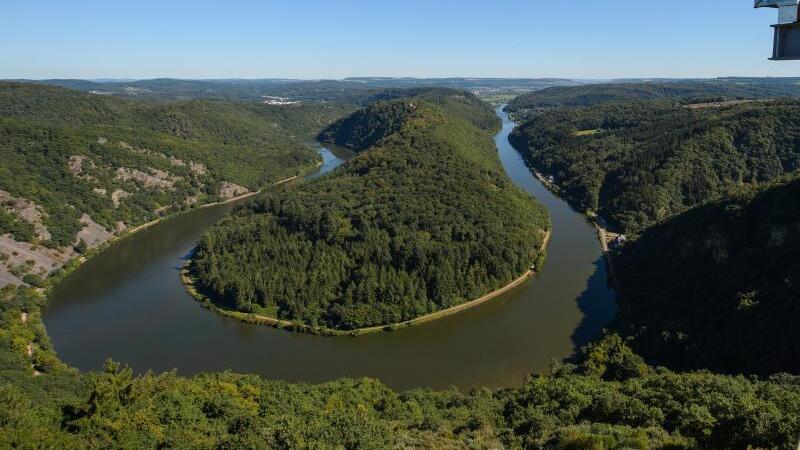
128 303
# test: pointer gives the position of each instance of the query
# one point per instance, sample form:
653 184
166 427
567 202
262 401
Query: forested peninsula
422 219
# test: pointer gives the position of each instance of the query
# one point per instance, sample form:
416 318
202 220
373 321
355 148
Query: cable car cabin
786 43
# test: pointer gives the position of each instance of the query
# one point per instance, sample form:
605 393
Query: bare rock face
36 259
75 164
92 233
18 259
78 166
78 163
196 168
117 196
27 211
158 179
228 190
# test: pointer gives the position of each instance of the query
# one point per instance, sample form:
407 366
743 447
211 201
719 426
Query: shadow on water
595 307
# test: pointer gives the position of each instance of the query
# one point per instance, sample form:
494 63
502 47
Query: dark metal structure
787 31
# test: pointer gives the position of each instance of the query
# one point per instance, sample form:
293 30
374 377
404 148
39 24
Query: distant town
270 100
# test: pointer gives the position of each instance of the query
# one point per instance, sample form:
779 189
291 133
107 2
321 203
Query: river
128 303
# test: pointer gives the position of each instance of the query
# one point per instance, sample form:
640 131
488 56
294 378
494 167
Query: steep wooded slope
640 163
718 287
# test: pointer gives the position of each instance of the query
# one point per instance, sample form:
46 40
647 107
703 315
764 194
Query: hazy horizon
387 77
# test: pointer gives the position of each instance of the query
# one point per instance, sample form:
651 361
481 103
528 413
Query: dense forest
423 218
67 154
610 399
718 287
687 91
639 163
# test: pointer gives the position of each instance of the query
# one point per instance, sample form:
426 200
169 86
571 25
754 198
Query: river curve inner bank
128 303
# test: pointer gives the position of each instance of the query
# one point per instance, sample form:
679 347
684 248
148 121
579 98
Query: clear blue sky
422 38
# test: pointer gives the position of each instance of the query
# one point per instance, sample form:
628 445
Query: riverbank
73 264
258 319
603 235
208 205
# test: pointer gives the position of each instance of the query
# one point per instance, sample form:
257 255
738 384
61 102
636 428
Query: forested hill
718 287
82 166
642 162
690 91
421 220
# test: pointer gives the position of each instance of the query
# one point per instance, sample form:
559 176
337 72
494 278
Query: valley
127 301
141 289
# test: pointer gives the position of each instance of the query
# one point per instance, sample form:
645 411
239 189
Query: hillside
717 287
356 90
423 218
639 163
80 167
688 91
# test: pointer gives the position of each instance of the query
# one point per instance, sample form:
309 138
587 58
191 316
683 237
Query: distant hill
169 89
423 218
718 287
82 166
356 90
639 163
690 91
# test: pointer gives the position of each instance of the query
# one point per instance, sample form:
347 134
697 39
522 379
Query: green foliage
423 220
365 127
717 287
42 128
609 400
612 359
80 247
655 409
696 91
651 160
18 228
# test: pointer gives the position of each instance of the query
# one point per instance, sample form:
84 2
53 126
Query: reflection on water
128 303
